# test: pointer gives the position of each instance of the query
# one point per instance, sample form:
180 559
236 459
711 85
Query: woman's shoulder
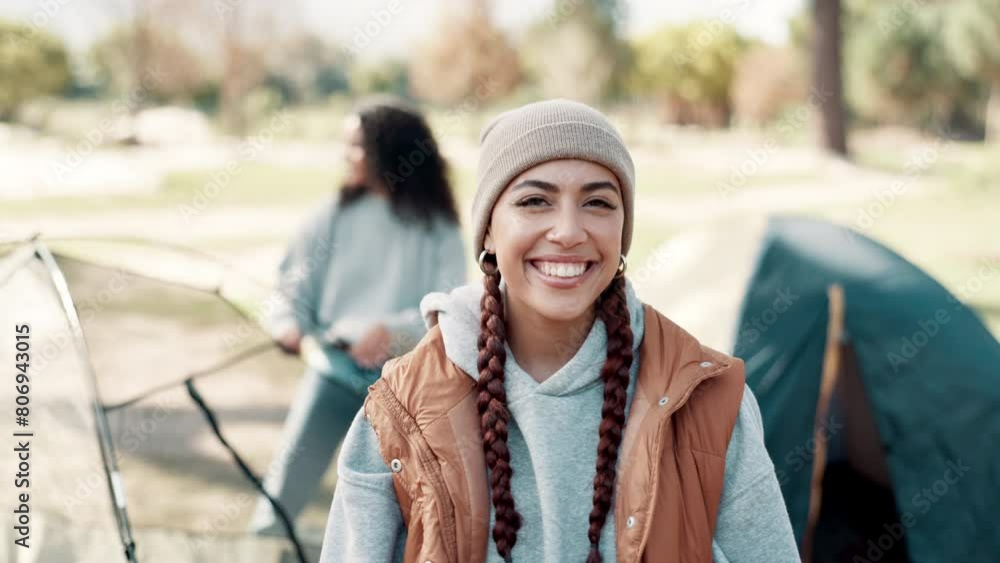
424 379
360 461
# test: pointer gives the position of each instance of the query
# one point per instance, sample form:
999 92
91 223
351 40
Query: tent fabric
929 367
63 488
146 333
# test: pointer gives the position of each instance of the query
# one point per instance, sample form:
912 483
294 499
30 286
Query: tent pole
828 382
115 484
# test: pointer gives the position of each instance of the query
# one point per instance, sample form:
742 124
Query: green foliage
331 80
972 38
899 70
693 64
385 77
305 69
922 63
32 64
207 97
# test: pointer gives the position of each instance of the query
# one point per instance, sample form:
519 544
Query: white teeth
562 269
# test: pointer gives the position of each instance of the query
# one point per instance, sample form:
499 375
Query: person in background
352 280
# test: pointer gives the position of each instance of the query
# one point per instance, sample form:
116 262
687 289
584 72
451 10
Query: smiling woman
550 415
556 234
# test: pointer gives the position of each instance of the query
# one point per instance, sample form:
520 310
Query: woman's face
354 152
557 230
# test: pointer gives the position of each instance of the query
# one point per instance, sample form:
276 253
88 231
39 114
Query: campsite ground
933 200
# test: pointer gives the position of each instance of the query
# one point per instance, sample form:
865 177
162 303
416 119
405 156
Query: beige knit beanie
538 132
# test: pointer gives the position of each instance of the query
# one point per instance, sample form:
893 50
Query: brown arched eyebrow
550 187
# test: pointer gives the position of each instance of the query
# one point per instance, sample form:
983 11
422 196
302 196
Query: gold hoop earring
622 264
494 268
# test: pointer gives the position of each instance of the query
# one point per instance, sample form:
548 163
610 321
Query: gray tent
138 354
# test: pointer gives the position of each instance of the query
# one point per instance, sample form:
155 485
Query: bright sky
79 22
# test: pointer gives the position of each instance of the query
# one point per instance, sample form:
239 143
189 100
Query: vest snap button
663 400
705 364
396 465
630 522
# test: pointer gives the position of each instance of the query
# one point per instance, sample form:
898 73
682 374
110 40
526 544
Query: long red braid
494 416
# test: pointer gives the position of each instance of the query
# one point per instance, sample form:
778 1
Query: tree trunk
142 37
232 89
827 81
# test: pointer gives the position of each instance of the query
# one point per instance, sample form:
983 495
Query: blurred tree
973 39
148 47
332 80
246 31
242 68
169 68
469 56
32 64
383 77
577 52
303 68
691 69
828 83
206 97
899 69
767 81
222 42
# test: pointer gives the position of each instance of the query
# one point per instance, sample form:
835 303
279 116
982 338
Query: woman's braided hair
494 416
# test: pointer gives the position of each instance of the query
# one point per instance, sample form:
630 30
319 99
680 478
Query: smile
562 274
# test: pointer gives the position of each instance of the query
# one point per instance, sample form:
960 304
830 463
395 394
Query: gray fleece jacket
553 444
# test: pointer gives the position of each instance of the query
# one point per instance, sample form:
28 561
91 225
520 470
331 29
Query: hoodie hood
457 312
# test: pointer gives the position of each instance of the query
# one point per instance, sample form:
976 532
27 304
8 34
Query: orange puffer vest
673 452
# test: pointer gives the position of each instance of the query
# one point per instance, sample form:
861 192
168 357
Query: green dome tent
876 386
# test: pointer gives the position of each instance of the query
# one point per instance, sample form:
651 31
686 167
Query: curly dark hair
401 151
491 401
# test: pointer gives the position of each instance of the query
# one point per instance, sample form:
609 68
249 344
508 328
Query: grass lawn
255 185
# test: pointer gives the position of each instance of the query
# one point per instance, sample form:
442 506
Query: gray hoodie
350 267
553 444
